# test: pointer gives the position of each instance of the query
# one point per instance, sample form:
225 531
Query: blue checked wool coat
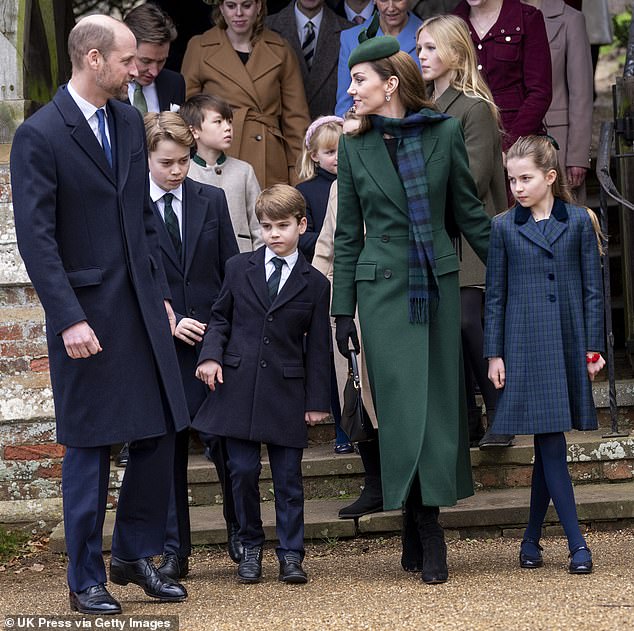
544 310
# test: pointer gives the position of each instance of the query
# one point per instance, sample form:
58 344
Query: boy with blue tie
196 239
266 357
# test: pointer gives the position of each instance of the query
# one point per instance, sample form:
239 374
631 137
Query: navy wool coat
195 281
544 311
88 237
275 357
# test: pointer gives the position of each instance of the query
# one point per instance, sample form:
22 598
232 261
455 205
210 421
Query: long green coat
415 370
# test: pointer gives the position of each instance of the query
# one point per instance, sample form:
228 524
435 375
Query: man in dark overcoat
317 59
88 237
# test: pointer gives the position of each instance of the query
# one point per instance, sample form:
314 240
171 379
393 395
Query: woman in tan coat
257 73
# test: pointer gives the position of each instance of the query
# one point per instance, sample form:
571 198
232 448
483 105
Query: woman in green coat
405 176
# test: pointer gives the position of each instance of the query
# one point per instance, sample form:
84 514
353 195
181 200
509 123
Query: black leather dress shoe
96 600
234 547
123 456
250 568
496 441
530 561
291 570
174 567
143 573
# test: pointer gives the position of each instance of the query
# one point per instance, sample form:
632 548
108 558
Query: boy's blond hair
280 201
167 126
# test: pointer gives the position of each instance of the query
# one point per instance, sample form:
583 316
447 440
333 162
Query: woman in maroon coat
514 57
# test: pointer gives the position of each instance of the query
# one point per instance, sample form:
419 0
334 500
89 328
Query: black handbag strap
353 369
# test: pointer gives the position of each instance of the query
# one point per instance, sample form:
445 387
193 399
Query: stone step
486 514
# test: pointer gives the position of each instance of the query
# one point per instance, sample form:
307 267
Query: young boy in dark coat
266 357
196 238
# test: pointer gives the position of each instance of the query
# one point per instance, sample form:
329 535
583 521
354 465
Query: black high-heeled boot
412 555
371 498
432 538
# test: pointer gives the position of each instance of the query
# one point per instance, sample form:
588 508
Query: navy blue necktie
101 119
274 279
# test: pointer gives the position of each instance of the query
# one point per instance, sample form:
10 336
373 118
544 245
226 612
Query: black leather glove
346 333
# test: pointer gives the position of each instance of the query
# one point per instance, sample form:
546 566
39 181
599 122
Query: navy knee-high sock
552 449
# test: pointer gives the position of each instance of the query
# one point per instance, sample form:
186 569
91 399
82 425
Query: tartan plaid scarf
423 286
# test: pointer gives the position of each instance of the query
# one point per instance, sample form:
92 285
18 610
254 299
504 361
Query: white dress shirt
156 195
150 94
301 20
90 113
289 261
365 14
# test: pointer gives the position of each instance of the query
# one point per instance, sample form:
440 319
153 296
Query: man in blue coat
88 237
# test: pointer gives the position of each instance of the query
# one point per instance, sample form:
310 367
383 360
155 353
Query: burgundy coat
514 58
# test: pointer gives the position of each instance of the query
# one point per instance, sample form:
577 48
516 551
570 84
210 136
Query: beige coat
323 260
569 117
270 114
237 179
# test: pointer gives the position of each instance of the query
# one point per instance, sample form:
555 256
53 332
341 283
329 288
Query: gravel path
358 584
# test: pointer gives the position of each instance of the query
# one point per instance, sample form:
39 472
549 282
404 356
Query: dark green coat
415 370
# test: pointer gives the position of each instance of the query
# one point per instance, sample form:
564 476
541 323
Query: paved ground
358 585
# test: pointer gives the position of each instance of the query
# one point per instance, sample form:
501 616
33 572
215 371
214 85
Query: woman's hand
190 331
595 367
497 372
346 332
312 417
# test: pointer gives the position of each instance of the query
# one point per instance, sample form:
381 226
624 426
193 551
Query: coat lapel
121 149
556 226
257 277
220 56
295 283
263 60
194 214
81 133
374 156
326 55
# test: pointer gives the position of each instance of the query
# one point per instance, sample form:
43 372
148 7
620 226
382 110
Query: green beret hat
374 48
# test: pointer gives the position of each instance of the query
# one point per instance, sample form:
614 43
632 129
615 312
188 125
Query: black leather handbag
355 421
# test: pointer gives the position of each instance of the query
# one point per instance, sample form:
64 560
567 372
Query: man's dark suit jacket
170 88
275 357
88 237
320 82
196 279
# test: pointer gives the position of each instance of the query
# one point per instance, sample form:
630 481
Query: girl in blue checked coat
544 331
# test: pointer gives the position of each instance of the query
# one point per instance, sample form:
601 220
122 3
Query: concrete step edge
506 508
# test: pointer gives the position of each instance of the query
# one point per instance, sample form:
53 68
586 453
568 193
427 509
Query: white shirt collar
302 20
156 192
291 259
365 14
87 109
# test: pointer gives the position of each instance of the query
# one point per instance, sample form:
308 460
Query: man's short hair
280 201
85 36
150 24
195 108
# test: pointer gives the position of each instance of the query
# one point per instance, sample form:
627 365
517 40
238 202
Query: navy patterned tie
308 46
101 122
274 279
171 223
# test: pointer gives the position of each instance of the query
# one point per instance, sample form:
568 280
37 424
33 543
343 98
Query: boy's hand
312 418
208 372
595 367
190 331
497 372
